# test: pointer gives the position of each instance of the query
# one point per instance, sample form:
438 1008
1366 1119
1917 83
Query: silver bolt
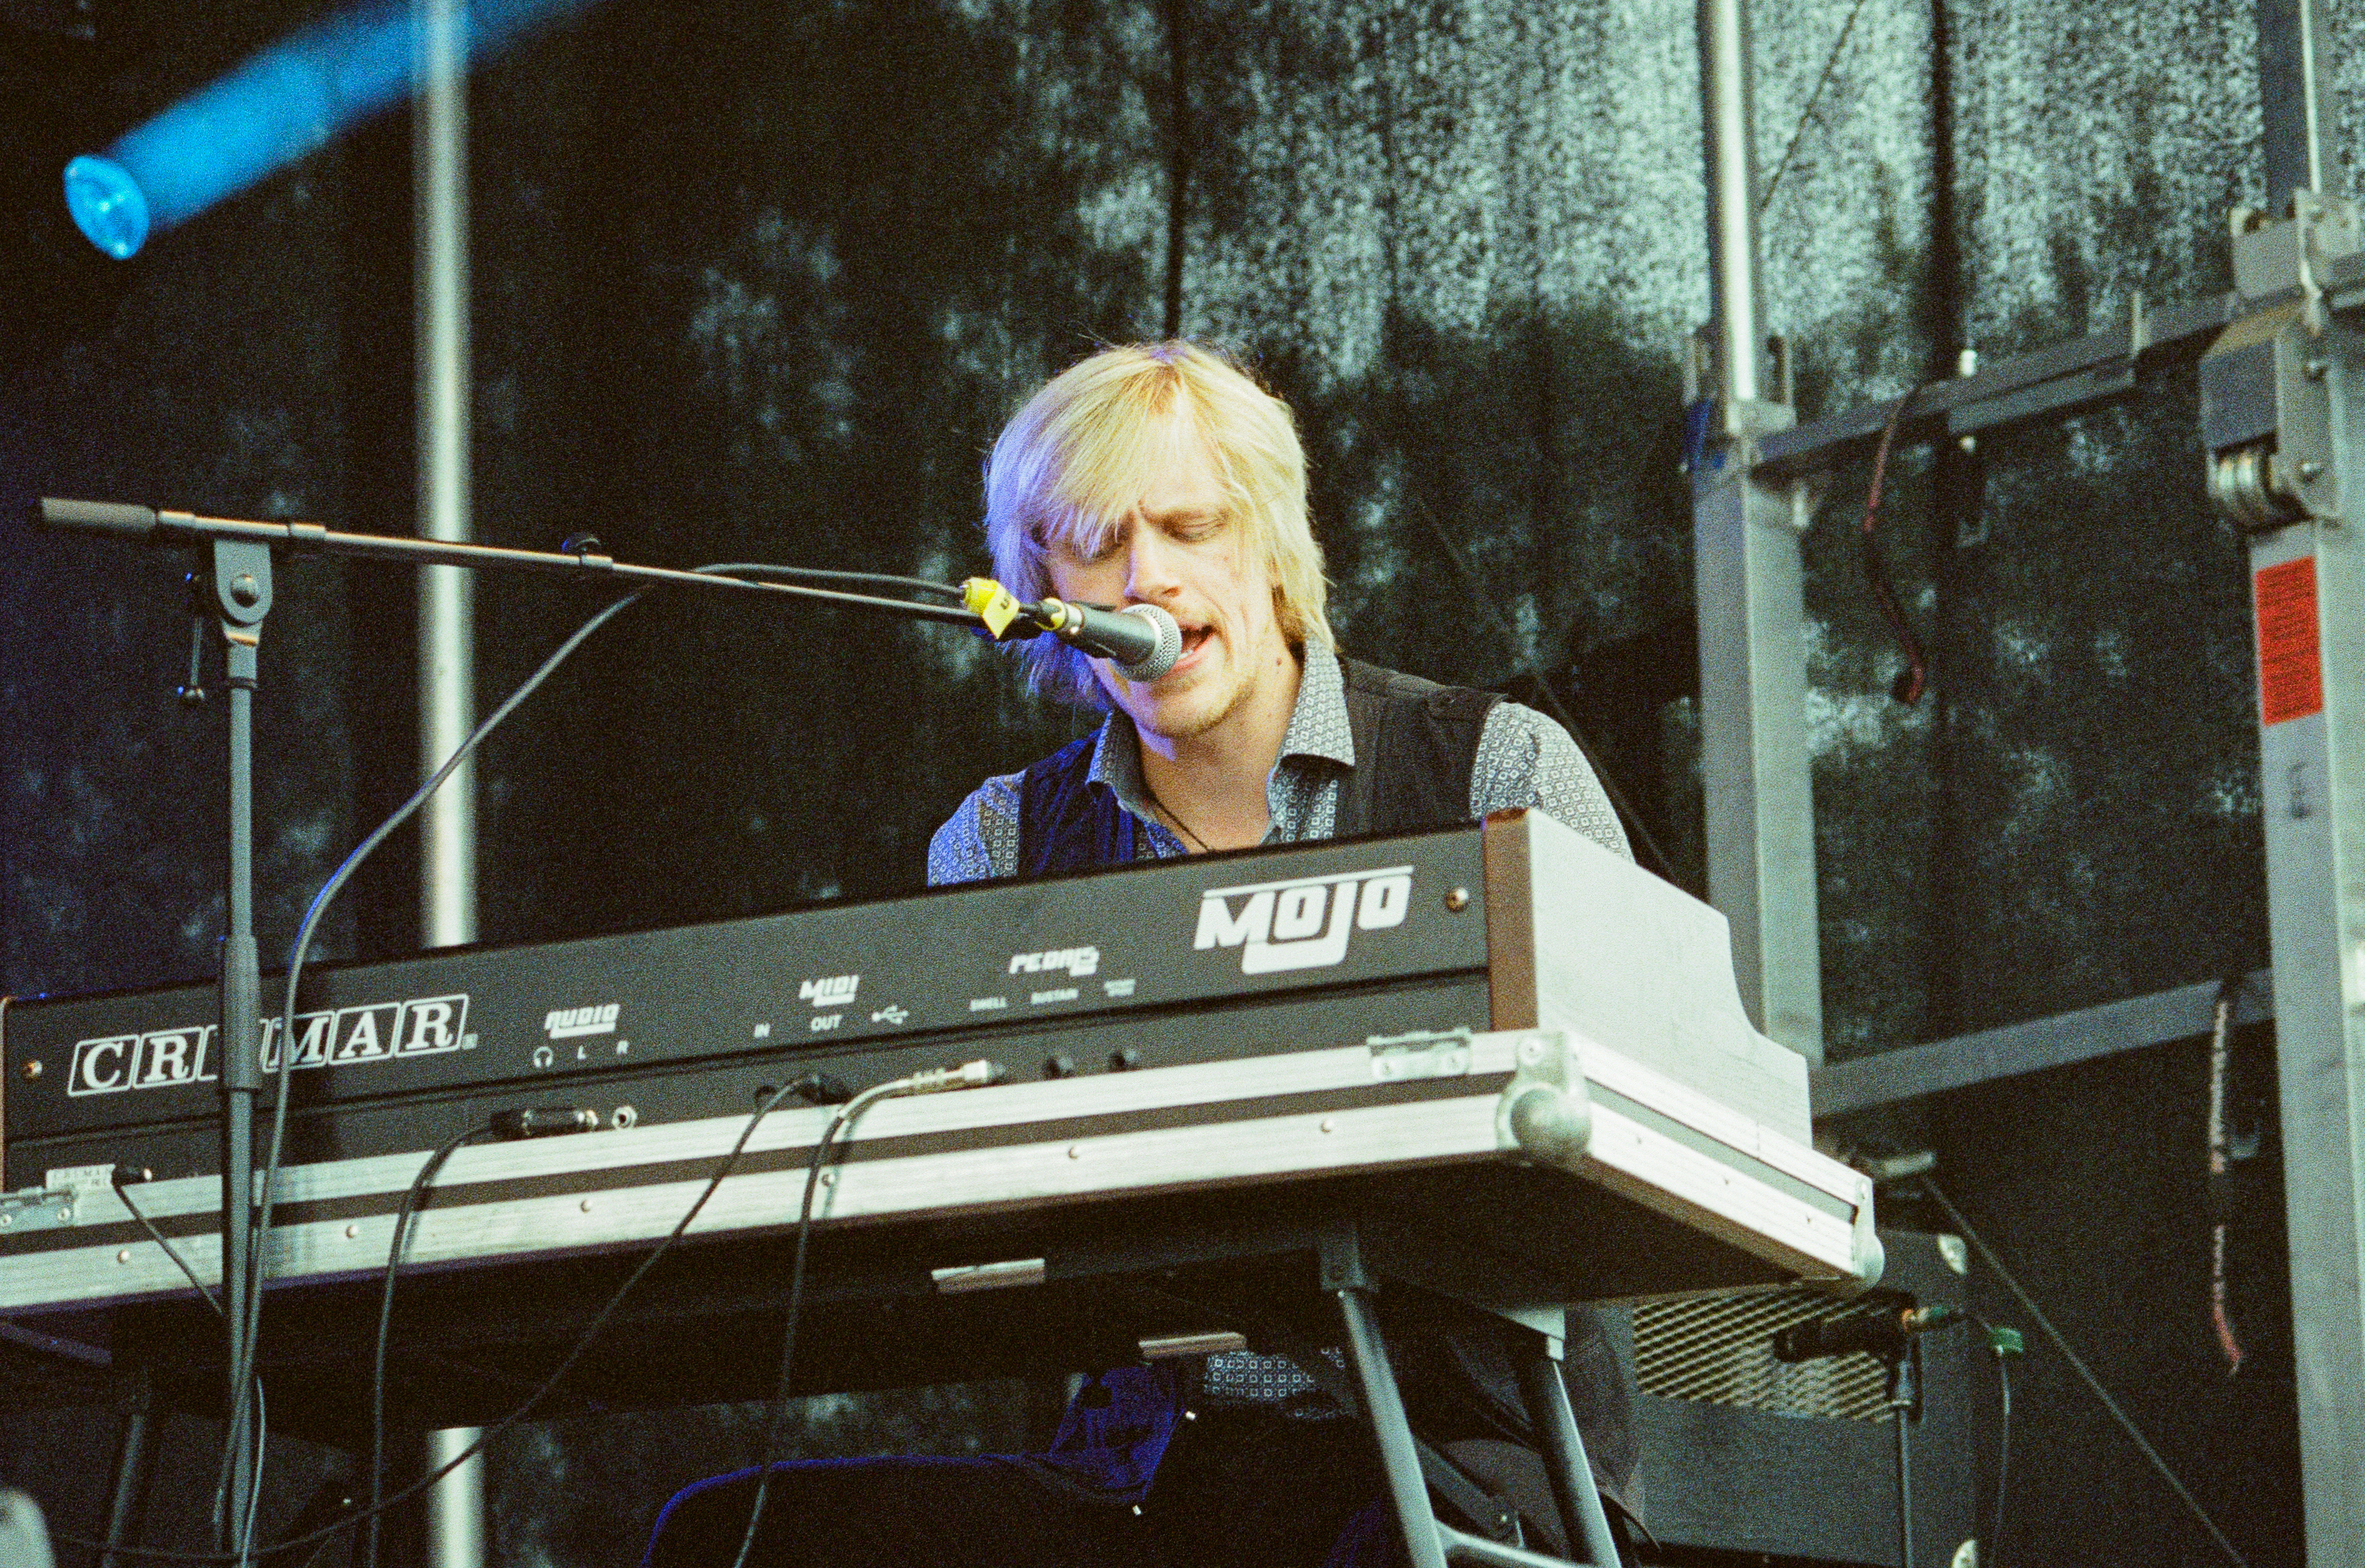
2317 369
351 1232
585 1205
2310 470
1329 1125
1075 1152
829 1178
124 1256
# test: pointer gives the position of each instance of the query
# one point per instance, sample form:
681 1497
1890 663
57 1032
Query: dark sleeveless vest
1415 743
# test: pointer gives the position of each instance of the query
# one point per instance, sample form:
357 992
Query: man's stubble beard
1242 686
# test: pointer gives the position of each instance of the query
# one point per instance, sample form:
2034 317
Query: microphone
1881 1334
1141 640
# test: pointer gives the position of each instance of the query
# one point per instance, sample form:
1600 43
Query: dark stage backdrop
762 280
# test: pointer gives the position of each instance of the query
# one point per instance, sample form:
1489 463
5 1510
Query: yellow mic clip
991 603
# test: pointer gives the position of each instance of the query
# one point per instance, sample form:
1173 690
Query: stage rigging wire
244 1354
1907 688
2077 1364
1618 801
1807 114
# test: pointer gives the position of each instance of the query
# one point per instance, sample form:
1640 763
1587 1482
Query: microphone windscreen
1161 659
97 517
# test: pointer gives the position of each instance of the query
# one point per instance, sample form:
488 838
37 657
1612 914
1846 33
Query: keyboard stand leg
1565 1466
132 1464
1384 1406
1430 1543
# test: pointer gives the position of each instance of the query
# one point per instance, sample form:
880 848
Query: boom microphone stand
242 561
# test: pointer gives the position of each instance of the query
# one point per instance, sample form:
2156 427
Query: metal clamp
2265 395
38 1208
2272 258
1425 1053
1545 1111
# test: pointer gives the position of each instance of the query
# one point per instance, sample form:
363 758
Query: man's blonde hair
1070 464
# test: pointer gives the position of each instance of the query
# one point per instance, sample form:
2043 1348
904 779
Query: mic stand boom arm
242 563
148 525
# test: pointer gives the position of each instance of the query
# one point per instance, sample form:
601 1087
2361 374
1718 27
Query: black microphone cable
811 1084
411 1199
971 1075
123 1178
244 1354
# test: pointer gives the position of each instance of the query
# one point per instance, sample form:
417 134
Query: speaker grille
1719 1351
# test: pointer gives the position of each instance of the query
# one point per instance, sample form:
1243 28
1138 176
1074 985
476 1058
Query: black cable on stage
244 1352
2077 1364
2002 1344
969 1075
810 1082
2003 1456
837 1124
123 1196
243 1356
779 1402
122 1185
411 1199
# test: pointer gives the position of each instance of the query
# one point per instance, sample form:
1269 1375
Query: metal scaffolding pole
1753 646
2309 589
447 696
2282 400
456 1504
2283 397
2295 96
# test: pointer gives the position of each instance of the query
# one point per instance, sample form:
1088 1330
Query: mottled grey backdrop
756 280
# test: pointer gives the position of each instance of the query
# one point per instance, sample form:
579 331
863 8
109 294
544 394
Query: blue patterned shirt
1523 760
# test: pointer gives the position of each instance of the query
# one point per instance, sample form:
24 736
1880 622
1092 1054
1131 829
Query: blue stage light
107 205
287 102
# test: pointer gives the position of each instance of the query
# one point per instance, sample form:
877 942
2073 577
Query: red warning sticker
2291 654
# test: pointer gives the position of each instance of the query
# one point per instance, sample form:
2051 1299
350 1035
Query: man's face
1179 547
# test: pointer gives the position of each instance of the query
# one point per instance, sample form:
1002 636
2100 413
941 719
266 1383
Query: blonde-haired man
1162 473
